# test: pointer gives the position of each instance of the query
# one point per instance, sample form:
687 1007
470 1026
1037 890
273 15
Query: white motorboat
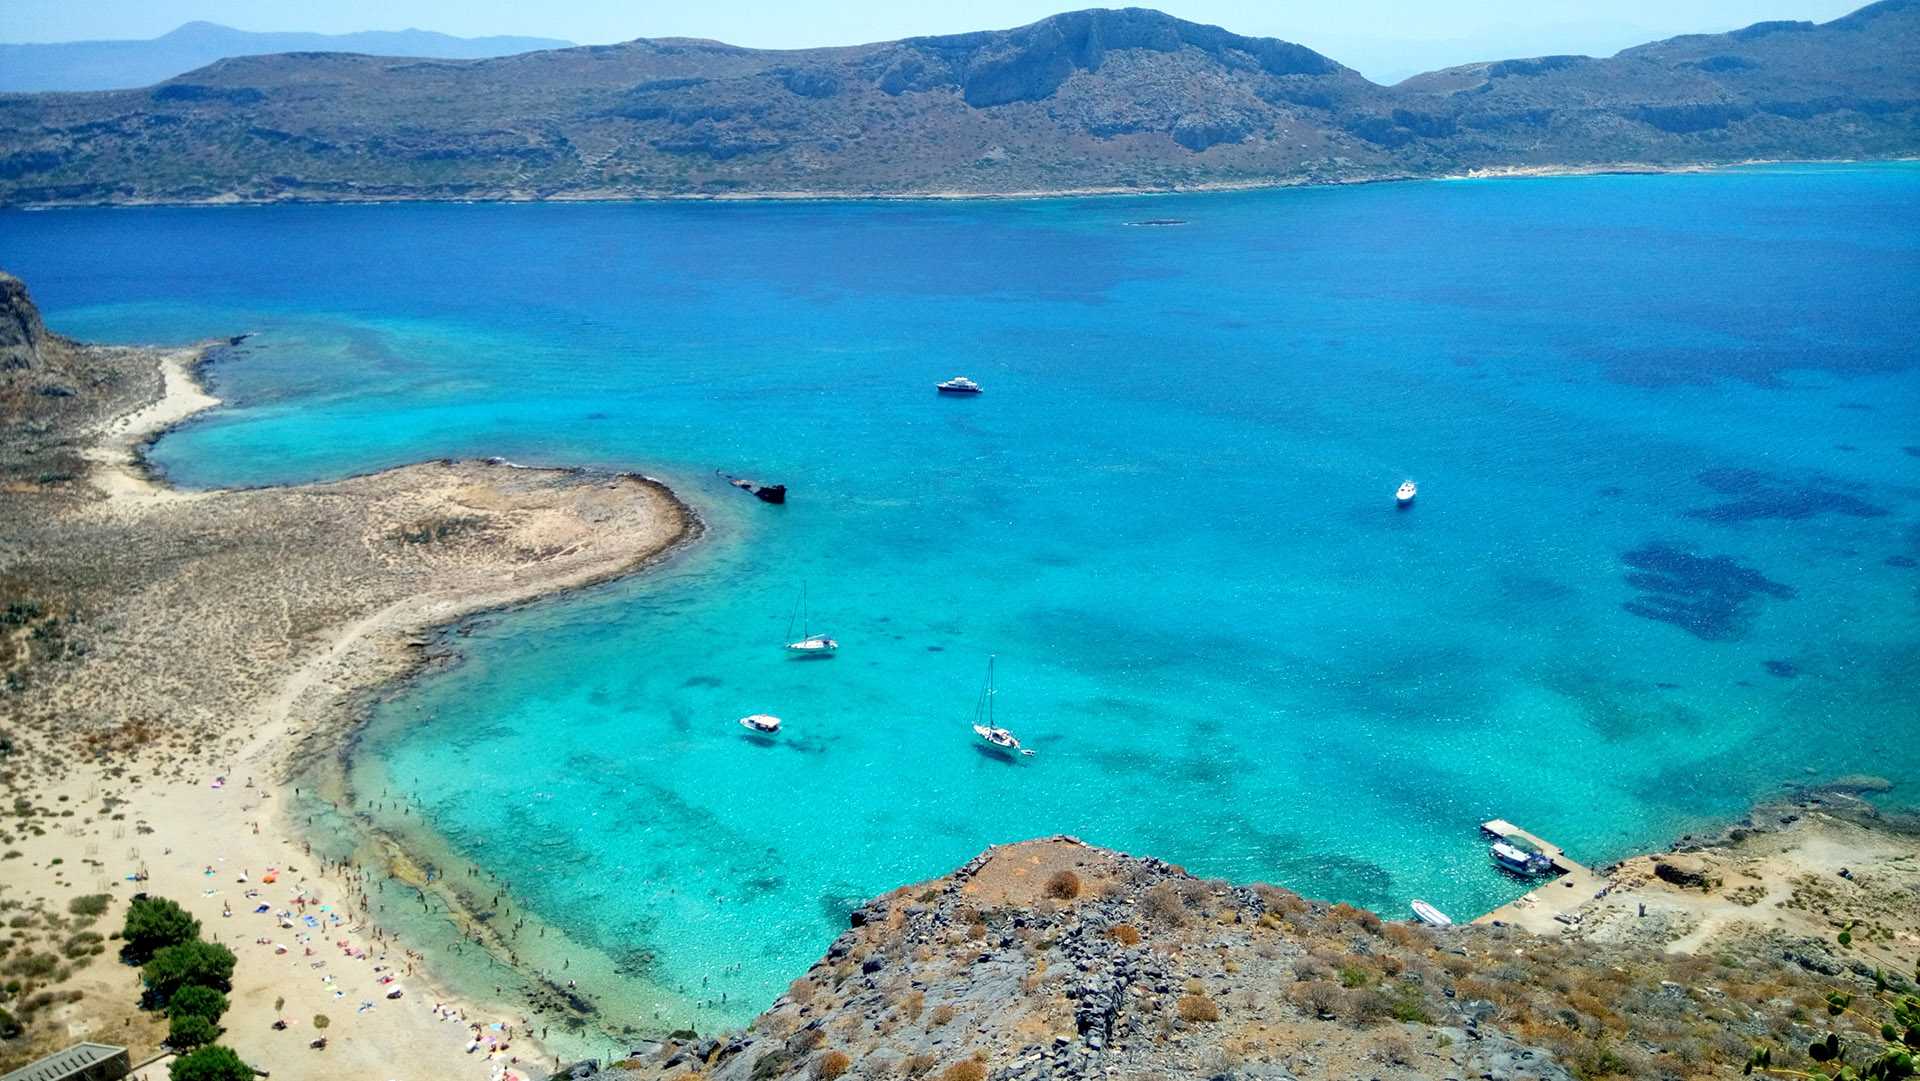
959 384
1403 496
1431 916
808 645
983 725
764 723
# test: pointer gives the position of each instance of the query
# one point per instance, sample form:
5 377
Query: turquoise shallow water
1667 432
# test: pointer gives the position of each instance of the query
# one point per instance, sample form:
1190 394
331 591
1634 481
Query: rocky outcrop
21 332
1053 959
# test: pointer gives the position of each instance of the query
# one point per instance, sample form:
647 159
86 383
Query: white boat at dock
1515 854
1431 916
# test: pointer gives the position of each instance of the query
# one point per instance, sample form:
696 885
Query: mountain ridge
1097 100
125 64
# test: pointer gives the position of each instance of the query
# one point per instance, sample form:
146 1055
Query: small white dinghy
1431 916
1403 496
763 723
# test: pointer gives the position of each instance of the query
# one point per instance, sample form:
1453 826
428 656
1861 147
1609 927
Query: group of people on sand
306 923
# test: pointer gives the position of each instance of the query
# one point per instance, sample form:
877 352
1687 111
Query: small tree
204 963
210 1063
190 1030
153 924
320 1021
197 1000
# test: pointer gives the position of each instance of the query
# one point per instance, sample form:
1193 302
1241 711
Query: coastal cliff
1056 959
1086 101
21 331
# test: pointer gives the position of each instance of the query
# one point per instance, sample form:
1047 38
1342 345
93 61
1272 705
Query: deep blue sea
1666 431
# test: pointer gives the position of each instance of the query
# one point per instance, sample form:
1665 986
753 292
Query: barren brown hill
1093 100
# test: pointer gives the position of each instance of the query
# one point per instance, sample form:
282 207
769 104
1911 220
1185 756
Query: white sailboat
808 645
983 725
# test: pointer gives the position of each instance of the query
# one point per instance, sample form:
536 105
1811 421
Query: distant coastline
1498 172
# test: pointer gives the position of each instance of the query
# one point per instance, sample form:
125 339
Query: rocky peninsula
169 658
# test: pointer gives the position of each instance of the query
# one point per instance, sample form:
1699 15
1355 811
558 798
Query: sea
1664 561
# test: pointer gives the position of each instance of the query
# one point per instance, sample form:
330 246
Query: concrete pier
1552 904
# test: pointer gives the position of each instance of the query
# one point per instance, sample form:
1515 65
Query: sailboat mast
990 658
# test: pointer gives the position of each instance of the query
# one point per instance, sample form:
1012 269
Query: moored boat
993 735
764 723
808 645
1431 916
1514 854
959 384
1403 496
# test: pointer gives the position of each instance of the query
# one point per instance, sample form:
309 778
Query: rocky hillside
21 331
1054 959
51 388
1104 99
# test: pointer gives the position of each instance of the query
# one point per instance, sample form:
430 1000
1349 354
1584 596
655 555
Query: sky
1384 39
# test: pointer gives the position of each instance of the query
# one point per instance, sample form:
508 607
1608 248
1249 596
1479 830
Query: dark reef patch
1764 364
1783 669
701 681
1710 597
1901 561
1759 496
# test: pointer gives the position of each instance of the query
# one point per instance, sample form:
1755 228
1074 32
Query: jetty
1552 903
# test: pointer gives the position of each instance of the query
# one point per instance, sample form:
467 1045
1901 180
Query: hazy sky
1383 38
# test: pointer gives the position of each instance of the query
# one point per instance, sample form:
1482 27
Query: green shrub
189 963
190 1030
197 1000
9 1025
1409 1007
210 1063
153 924
93 904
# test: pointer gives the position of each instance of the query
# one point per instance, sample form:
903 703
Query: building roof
64 1064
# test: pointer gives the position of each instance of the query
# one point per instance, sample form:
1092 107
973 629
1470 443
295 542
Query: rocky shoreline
162 643
648 195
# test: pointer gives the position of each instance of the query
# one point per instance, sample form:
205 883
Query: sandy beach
181 654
